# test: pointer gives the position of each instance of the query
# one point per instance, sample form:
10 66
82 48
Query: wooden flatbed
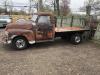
69 29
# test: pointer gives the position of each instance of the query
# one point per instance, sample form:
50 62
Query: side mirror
29 18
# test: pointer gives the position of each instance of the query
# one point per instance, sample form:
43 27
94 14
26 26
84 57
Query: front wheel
19 43
76 39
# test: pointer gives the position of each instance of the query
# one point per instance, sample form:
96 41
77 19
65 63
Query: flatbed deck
68 29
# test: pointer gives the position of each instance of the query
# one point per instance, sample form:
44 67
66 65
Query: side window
44 19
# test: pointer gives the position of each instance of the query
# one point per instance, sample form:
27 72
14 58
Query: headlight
8 21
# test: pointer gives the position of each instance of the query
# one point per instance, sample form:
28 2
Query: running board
45 41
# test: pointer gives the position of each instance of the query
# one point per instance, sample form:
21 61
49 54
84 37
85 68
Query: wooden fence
71 21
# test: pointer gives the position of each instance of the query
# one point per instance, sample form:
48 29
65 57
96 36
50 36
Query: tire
76 39
19 43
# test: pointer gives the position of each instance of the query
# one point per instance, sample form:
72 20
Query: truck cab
44 25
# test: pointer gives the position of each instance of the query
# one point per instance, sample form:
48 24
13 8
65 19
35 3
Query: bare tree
54 6
30 5
40 5
94 5
10 6
64 9
5 6
58 10
89 2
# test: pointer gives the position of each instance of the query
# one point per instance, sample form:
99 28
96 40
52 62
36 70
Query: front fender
28 34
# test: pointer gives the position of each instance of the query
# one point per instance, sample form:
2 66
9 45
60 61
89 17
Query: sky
74 4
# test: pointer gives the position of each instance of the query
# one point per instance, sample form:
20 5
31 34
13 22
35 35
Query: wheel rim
77 39
20 43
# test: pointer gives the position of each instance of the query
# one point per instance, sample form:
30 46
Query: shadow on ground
43 45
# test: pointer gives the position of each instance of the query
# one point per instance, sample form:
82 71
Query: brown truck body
41 30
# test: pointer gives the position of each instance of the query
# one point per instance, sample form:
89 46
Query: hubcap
77 39
20 43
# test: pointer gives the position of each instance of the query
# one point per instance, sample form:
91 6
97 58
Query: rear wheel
85 36
19 43
76 39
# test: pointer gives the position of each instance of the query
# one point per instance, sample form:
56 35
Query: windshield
34 18
4 17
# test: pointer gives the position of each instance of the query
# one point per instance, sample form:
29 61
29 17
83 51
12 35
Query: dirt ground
52 58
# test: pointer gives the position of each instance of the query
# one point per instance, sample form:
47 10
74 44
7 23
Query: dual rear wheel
74 38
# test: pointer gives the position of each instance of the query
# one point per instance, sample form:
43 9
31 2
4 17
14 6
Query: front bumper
5 39
7 42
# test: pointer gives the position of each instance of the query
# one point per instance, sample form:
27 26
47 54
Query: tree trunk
61 21
5 7
88 10
40 5
54 6
58 10
30 6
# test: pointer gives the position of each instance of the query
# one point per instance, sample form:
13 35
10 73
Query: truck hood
26 25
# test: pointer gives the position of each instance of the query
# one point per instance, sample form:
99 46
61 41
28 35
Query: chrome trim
9 41
13 36
31 42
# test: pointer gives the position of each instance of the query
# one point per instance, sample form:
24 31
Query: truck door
45 29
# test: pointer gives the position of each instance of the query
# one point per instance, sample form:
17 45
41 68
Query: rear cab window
44 19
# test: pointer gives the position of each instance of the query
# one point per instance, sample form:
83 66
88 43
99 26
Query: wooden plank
68 29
